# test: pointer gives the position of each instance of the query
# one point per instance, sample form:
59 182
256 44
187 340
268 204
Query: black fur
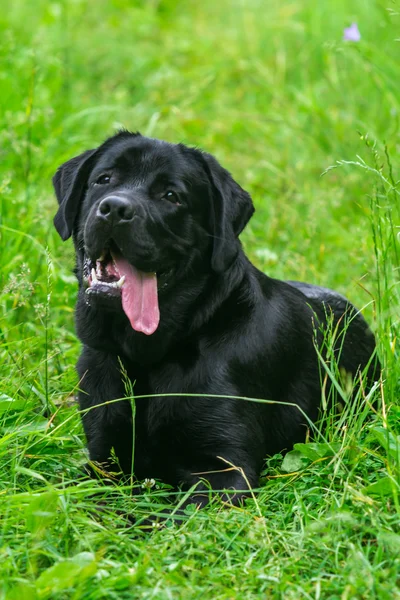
226 328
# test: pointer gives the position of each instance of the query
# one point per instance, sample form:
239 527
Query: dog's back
345 329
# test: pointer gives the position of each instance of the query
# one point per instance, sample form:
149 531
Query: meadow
309 125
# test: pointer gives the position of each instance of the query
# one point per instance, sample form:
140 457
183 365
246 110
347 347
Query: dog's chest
169 394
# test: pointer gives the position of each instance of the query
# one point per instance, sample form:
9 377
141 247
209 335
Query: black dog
166 291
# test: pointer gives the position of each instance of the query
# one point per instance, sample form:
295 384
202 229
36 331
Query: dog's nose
115 209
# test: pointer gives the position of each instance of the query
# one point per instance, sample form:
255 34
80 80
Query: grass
274 93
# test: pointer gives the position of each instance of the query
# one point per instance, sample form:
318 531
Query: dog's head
141 210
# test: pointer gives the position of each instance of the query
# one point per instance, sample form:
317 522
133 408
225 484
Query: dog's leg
232 487
232 483
107 424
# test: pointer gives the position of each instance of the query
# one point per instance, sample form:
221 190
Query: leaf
391 541
22 591
7 403
382 487
293 461
83 558
38 425
66 574
303 454
388 441
315 451
41 512
29 473
59 577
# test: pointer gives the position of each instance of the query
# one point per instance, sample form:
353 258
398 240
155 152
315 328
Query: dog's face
142 213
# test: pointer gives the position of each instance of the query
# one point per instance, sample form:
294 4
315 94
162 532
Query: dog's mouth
102 275
111 277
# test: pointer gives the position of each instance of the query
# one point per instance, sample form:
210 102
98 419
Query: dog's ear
232 208
69 183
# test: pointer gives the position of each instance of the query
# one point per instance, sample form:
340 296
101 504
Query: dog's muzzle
116 209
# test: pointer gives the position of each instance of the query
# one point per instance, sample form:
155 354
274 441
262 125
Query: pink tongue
139 297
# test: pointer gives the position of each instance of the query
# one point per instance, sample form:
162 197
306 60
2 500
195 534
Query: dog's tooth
94 277
120 282
98 268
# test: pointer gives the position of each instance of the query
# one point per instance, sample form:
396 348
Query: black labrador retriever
167 296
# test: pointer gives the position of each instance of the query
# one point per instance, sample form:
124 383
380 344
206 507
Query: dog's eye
103 179
171 196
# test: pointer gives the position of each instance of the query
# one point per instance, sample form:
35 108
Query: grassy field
272 90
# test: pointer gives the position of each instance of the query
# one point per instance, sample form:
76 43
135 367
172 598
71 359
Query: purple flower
352 34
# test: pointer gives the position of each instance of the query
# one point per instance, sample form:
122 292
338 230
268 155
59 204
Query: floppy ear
231 211
69 183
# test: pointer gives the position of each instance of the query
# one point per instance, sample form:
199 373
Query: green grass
274 93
